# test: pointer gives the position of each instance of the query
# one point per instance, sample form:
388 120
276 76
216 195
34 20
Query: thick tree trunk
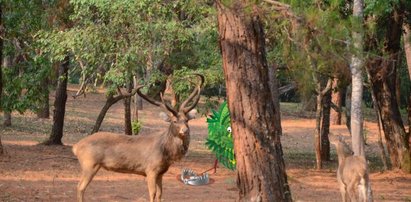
407 49
407 46
260 166
336 99
59 105
1 65
383 78
44 108
127 111
325 127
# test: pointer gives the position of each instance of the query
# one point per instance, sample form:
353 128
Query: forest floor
33 172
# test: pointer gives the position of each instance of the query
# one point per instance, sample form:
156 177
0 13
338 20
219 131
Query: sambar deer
352 174
147 155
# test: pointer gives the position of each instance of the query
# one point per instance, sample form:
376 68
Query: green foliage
136 126
313 47
219 139
25 66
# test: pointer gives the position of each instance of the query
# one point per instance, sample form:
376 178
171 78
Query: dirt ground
32 172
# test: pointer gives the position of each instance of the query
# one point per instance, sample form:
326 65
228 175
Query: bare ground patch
32 172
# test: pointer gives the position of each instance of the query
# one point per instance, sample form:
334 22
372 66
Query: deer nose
184 131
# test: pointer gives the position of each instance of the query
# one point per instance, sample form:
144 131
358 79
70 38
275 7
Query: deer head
178 118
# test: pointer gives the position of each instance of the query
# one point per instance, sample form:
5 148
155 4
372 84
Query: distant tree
260 175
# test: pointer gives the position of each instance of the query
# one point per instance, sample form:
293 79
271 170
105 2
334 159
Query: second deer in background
352 172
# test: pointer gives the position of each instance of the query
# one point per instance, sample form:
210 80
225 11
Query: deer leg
159 187
86 177
151 184
362 190
343 191
351 189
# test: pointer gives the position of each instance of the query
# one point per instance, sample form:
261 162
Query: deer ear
165 117
192 114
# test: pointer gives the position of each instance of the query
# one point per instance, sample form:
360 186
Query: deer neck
341 154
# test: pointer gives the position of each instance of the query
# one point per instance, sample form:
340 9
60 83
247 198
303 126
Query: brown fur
147 155
352 172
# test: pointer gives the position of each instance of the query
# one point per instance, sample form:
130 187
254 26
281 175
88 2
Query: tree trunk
383 78
1 65
260 166
59 105
407 49
138 102
7 119
317 133
407 46
109 102
127 111
44 108
325 127
336 99
357 84
348 108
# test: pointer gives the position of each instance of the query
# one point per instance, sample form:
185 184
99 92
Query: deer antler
157 103
194 95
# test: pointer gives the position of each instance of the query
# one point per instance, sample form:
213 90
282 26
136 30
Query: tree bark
127 111
261 172
325 127
348 108
336 99
1 65
59 105
383 72
407 46
357 84
44 108
317 132
407 49
7 119
109 102
318 116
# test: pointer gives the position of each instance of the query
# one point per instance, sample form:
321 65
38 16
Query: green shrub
136 127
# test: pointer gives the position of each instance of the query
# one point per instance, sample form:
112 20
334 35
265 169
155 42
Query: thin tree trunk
59 105
138 102
325 127
7 119
260 171
317 133
109 102
44 108
336 99
357 64
127 111
357 84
